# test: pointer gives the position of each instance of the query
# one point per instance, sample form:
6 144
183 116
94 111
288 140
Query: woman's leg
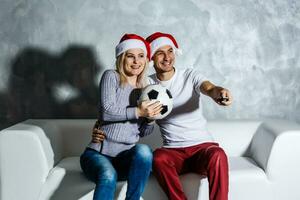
134 165
98 168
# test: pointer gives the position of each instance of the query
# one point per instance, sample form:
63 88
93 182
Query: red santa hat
158 39
132 41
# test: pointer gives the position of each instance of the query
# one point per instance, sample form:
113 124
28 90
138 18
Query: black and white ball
158 93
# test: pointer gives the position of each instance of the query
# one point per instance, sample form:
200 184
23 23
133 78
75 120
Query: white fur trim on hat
130 44
159 42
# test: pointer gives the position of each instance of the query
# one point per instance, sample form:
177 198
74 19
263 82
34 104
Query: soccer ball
158 93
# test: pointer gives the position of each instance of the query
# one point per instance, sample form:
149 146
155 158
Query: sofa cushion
67 182
245 174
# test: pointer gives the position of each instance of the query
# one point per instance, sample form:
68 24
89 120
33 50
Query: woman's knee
143 153
107 176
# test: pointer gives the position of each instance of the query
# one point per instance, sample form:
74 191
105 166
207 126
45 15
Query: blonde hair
120 62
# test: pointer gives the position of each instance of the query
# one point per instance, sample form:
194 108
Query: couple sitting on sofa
187 145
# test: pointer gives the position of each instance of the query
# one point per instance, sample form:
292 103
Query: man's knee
160 158
218 157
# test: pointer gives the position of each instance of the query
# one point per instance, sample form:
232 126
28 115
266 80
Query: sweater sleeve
146 128
109 108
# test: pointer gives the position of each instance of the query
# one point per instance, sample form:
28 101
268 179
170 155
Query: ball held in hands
159 93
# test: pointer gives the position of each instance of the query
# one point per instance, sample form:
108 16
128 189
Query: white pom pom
179 52
151 63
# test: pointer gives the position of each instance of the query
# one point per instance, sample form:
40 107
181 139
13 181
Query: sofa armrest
25 161
275 147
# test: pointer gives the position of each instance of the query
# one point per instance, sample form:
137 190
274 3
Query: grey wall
52 52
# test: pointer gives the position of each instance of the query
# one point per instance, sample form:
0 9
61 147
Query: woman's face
134 62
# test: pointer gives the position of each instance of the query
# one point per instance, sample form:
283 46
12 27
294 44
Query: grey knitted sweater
117 111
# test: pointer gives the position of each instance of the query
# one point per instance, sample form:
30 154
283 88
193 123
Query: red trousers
205 159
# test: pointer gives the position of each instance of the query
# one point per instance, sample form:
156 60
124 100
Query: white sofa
39 159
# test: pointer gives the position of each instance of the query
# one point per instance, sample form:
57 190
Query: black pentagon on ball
169 94
152 94
164 109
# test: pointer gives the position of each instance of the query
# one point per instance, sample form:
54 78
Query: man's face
164 59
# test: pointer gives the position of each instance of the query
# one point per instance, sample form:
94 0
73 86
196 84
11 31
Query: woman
118 157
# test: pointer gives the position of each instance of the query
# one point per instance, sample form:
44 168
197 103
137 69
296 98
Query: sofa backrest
234 136
68 137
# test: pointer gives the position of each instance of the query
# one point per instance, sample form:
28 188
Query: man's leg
168 164
211 160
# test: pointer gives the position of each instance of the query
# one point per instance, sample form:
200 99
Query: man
187 145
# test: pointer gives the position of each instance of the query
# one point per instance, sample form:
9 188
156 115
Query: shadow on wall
43 85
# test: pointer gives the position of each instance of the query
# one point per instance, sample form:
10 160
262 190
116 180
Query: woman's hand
149 109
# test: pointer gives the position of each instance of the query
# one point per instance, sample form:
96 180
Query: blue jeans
133 165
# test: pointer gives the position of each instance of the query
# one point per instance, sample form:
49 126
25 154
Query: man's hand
220 95
98 135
